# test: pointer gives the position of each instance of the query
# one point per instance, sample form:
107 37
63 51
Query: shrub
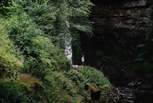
12 92
21 30
45 57
26 89
96 81
92 75
27 28
90 80
39 53
76 77
62 89
34 88
59 19
9 59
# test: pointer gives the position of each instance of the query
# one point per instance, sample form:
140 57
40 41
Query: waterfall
68 50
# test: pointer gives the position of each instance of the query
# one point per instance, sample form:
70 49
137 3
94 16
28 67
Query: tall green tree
59 19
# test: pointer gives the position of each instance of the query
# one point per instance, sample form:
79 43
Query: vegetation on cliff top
33 68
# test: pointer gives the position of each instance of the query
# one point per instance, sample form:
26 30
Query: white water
68 50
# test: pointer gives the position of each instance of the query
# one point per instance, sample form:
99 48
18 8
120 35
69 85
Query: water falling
68 50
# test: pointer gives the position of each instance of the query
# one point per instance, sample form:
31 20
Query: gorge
121 31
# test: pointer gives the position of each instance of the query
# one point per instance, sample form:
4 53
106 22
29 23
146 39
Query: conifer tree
59 19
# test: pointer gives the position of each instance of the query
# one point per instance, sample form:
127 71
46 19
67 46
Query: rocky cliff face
121 31
128 15
121 27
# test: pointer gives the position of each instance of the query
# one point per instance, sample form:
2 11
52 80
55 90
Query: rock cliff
121 27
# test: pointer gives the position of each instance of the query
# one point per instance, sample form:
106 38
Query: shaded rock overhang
119 27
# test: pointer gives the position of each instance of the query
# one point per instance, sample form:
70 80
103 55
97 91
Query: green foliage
29 30
79 12
76 77
92 75
9 60
21 30
88 76
71 86
12 92
45 57
39 52
60 19
62 89
15 91
96 79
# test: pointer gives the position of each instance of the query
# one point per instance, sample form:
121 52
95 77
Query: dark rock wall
120 29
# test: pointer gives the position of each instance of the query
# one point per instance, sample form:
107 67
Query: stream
140 93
